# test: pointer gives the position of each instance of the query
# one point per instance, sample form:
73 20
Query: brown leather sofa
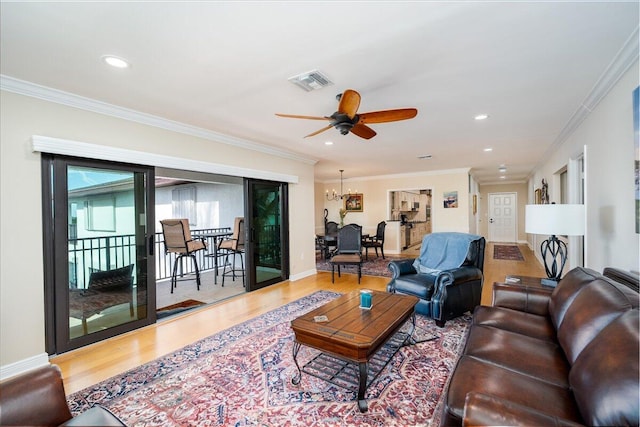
37 398
565 356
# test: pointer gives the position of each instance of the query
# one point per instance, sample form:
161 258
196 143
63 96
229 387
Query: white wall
607 132
21 264
217 205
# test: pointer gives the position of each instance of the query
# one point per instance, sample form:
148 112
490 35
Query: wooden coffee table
355 343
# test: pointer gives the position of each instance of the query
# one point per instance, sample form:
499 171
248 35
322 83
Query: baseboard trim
302 275
24 365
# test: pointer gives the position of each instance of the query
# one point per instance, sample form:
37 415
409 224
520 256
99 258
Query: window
101 213
183 203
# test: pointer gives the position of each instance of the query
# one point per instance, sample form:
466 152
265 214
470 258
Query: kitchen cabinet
417 231
415 205
416 237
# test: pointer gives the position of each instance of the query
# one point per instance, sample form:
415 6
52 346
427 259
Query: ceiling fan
347 119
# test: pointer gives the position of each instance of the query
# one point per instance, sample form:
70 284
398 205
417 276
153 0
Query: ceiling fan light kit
346 119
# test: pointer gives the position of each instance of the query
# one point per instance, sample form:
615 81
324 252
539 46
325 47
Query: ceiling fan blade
319 131
388 115
349 103
295 116
363 131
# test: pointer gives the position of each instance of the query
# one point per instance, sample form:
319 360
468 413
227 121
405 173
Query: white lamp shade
555 219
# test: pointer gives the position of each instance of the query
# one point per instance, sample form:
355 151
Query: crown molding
624 59
399 175
26 88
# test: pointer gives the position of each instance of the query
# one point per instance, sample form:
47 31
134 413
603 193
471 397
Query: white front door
502 217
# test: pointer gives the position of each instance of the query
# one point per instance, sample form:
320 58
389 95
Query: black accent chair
446 294
376 241
349 250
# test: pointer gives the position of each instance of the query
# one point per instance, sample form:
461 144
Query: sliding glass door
99 264
267 233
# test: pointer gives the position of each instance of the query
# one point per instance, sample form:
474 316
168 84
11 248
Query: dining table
214 237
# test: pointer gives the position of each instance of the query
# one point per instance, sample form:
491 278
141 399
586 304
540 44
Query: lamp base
552 283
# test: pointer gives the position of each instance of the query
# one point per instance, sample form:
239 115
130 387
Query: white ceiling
223 66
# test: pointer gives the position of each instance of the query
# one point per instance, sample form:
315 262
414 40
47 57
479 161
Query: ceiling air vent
311 80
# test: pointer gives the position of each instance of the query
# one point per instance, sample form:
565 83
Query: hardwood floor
89 365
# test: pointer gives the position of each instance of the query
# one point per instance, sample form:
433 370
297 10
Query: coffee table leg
410 340
362 403
296 379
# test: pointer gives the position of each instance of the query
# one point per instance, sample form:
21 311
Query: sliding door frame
56 272
251 247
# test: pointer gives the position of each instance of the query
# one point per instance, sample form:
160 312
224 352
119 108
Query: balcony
87 255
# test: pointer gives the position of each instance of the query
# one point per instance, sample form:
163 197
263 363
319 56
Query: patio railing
90 254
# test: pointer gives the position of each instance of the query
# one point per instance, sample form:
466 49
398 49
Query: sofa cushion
540 359
605 376
527 324
528 299
567 289
594 306
472 374
484 410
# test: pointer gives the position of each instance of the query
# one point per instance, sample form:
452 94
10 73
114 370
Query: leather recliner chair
448 293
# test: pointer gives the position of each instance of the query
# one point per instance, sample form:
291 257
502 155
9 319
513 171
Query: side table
536 282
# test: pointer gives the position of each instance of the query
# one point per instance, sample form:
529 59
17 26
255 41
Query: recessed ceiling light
488 149
328 143
502 169
503 177
115 61
481 117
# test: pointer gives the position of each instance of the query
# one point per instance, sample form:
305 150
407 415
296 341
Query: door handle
151 246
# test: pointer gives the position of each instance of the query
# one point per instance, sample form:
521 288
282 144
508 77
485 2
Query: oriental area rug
507 252
242 376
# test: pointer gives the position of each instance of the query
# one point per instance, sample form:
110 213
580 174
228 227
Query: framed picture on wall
353 203
450 199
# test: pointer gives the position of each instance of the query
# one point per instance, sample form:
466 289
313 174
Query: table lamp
554 220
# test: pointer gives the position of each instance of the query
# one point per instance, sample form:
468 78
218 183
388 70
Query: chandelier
338 196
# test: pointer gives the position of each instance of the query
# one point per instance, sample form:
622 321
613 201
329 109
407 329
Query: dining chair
330 231
348 250
376 241
233 245
178 240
